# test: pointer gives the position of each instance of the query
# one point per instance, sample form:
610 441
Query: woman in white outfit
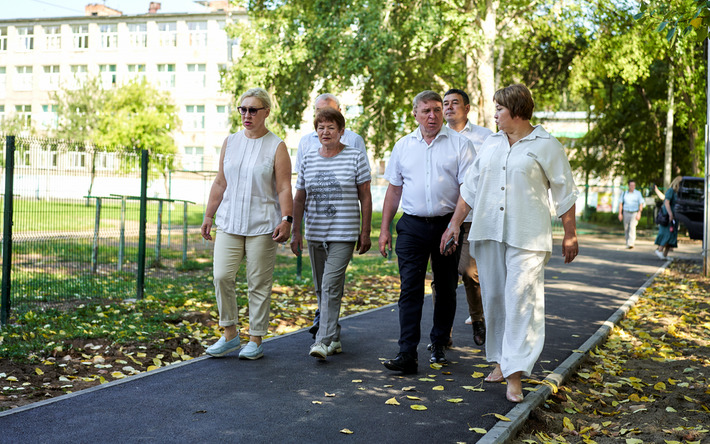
511 236
252 205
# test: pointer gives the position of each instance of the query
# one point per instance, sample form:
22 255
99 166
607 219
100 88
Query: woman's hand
206 228
282 232
570 248
363 243
296 243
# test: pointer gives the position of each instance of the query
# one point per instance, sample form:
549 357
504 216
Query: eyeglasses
243 110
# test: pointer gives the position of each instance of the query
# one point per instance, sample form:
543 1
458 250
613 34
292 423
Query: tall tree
387 51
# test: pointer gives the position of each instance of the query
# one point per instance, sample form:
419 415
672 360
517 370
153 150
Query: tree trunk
486 64
668 161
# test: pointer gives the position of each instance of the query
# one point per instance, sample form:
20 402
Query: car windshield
691 190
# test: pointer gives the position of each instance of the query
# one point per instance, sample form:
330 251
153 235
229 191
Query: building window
166 76
2 113
107 161
24 112
25 38
197 33
195 117
108 75
50 77
80 36
136 73
196 75
193 159
53 37
79 75
49 118
168 34
3 39
138 35
109 36
222 120
23 79
3 81
76 159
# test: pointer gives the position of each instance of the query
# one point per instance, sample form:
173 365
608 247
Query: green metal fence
72 224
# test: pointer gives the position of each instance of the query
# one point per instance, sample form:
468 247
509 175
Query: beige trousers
260 253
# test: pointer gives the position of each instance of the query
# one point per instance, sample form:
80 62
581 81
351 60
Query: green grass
41 215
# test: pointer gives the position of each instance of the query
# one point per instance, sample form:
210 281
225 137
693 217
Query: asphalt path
289 397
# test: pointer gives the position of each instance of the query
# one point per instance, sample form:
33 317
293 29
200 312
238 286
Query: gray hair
327 96
426 96
259 93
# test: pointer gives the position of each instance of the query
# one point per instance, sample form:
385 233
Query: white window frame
197 34
49 118
221 120
2 112
76 160
166 75
194 117
3 81
25 38
109 35
193 158
23 78
53 40
196 75
108 74
167 32
106 161
24 112
50 77
80 36
78 76
3 38
136 72
138 35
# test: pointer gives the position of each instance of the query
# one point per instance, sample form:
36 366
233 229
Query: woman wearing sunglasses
251 204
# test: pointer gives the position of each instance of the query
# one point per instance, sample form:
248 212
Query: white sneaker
468 321
334 348
318 350
660 255
222 347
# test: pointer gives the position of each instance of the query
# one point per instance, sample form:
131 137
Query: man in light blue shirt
630 207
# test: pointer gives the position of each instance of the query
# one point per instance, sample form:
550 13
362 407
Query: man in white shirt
425 171
456 109
310 141
630 207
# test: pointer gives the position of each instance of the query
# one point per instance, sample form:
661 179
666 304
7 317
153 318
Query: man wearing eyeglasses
425 170
310 141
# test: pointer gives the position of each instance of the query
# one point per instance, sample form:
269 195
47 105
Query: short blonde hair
259 93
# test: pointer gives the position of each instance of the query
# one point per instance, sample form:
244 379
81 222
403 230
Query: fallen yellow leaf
347 431
330 395
418 407
478 430
316 402
477 375
413 398
435 366
455 400
392 401
438 387
501 417
409 389
357 380
39 371
567 423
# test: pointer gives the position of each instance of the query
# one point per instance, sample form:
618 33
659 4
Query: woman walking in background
667 237
252 205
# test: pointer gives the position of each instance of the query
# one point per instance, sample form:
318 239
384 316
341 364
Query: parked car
690 206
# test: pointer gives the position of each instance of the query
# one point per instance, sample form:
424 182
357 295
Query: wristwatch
288 219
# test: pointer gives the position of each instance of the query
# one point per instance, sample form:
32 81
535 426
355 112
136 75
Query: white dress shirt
507 189
430 174
476 134
310 141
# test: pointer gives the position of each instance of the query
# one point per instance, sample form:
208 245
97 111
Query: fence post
7 229
159 233
122 234
95 246
184 233
140 273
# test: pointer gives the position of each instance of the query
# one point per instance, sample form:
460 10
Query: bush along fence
78 224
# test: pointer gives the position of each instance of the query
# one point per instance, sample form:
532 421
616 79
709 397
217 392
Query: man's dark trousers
418 240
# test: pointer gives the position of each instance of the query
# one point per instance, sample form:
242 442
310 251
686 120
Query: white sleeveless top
250 204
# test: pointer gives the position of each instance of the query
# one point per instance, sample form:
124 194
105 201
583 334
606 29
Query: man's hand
363 243
451 232
385 242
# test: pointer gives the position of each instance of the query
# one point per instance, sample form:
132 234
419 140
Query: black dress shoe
404 362
448 344
313 330
479 332
437 355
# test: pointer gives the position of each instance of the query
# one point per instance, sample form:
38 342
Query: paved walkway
289 397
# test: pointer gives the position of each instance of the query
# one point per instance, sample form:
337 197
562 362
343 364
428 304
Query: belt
432 219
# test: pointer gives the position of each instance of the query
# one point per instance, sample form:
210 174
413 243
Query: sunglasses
243 110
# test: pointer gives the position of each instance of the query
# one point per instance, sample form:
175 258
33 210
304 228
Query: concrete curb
505 431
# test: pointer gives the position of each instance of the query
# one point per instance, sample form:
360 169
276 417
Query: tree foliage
387 52
677 18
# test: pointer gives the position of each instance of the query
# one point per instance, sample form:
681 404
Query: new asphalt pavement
290 397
